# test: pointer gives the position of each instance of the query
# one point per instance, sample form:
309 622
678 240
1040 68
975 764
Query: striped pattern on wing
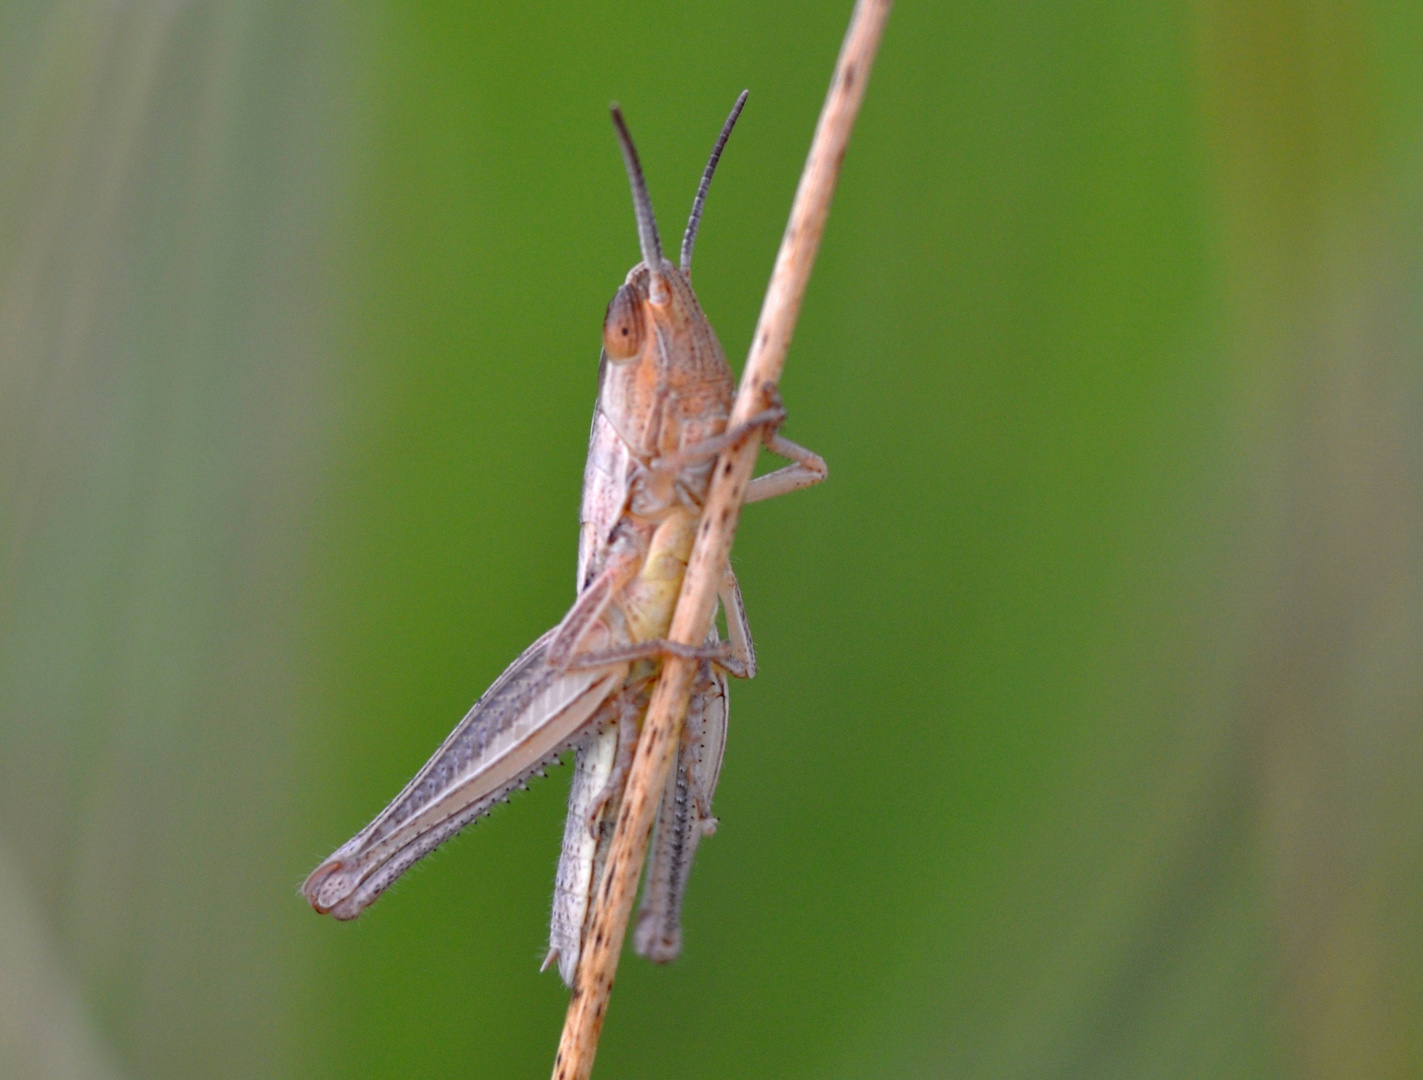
530 715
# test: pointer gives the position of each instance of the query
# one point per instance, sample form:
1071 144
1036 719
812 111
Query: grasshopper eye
622 327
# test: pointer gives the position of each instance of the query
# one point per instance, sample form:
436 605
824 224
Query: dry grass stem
657 747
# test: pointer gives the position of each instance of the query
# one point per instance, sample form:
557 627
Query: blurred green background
1089 735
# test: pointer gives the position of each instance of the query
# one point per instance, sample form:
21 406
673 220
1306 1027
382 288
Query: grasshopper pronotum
664 394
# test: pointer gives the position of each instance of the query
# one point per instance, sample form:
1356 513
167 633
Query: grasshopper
664 395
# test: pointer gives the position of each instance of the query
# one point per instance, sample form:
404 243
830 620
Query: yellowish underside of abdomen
650 598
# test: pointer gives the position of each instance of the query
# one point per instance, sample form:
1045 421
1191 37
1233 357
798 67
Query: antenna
690 236
641 204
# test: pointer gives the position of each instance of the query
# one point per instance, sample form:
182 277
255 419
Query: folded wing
523 722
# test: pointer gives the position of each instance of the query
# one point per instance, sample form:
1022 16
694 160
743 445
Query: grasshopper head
656 283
